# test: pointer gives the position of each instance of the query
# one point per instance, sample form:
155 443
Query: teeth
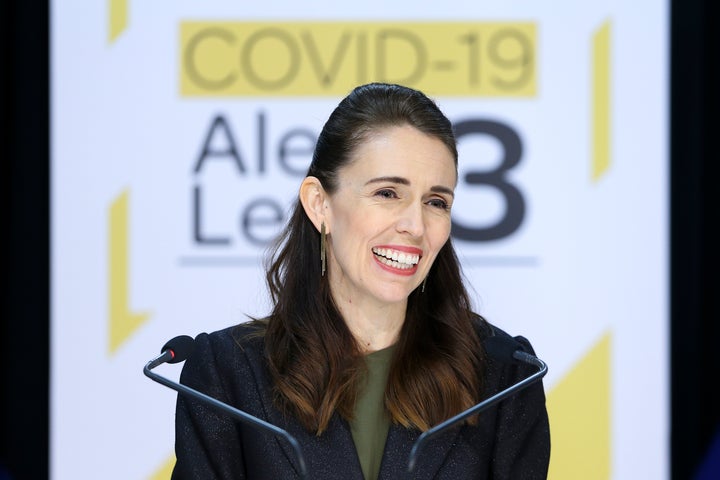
396 259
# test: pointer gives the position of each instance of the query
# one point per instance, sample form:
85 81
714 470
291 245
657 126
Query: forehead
403 151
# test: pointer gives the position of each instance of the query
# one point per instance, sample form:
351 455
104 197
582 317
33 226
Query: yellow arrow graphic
165 471
579 409
117 18
122 321
601 99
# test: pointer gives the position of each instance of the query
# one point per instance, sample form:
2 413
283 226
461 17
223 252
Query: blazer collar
335 449
399 443
332 452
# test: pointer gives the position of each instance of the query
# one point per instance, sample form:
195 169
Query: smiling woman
371 340
386 219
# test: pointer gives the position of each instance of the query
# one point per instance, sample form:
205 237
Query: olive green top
371 421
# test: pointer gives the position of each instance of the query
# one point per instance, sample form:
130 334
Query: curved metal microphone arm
225 408
427 434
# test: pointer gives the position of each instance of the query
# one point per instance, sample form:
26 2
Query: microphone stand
427 434
234 412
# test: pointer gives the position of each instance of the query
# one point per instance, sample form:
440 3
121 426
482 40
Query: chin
394 295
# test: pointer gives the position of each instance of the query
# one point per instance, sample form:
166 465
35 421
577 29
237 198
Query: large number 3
514 201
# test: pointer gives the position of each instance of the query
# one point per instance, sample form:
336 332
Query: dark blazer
510 442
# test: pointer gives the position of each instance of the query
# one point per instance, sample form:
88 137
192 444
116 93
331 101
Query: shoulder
236 338
500 367
227 359
489 333
227 348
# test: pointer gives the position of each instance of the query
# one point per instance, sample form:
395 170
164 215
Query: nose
411 220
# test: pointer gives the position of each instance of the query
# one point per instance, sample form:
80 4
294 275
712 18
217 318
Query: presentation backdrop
182 130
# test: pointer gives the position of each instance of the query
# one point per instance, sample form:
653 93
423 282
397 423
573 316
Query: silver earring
422 289
323 255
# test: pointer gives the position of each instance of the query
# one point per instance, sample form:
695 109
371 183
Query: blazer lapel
398 445
331 455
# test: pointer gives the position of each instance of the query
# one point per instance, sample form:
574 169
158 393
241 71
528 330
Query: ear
314 201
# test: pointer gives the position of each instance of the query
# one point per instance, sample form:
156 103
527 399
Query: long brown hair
315 362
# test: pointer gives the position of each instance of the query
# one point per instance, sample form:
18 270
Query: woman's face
389 216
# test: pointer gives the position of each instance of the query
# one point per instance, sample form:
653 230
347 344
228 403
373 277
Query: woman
371 340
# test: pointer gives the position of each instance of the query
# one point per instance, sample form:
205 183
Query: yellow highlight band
329 58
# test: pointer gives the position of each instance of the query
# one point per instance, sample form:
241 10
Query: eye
439 203
386 193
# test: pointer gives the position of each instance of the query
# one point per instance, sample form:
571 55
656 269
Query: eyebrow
405 181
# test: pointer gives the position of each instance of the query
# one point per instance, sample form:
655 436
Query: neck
374 327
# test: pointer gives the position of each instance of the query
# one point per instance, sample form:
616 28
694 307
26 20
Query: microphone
178 349
175 350
506 350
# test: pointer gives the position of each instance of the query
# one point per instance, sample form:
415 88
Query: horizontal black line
499 261
217 261
255 261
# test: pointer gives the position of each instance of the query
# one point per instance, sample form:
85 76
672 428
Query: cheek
348 238
439 234
360 225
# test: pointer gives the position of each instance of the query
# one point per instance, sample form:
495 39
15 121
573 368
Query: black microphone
179 349
506 350
175 350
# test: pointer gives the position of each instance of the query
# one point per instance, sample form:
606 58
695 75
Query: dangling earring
323 242
422 289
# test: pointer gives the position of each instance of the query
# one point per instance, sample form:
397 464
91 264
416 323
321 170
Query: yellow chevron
117 18
579 409
601 114
122 321
165 471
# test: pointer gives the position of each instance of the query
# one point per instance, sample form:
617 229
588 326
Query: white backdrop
181 131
